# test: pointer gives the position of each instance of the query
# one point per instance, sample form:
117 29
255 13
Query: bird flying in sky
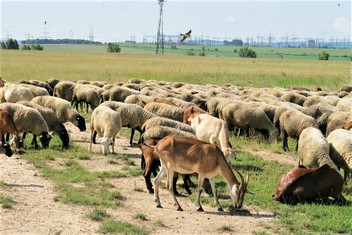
45 22
186 35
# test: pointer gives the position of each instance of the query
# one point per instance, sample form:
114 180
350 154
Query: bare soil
36 211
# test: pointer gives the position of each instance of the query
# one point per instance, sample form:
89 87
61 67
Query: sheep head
106 141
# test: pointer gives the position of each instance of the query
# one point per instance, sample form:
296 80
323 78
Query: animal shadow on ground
24 185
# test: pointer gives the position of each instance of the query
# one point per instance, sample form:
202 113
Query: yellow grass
42 65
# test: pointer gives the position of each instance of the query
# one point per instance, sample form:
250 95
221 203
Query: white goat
215 131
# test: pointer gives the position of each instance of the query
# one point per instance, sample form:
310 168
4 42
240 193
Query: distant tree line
60 41
234 42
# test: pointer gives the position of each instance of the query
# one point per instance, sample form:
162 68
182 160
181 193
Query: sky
117 21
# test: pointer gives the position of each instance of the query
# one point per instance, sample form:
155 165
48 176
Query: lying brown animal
302 185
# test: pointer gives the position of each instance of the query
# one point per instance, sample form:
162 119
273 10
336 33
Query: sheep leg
156 182
170 180
113 145
200 188
213 188
34 141
93 137
285 144
132 134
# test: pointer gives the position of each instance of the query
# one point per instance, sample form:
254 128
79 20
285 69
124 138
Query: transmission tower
160 34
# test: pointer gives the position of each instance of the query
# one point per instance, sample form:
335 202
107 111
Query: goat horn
247 177
242 180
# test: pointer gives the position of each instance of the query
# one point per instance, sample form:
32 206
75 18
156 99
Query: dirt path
37 212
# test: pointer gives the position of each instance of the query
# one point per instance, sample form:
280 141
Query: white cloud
231 20
342 25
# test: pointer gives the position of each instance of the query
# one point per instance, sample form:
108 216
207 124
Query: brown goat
302 185
191 112
150 162
7 125
186 156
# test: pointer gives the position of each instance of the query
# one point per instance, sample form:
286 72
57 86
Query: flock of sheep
320 121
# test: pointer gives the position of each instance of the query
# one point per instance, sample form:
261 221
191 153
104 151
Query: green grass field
90 62
76 62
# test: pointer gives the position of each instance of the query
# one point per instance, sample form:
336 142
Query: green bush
10 44
246 52
324 56
26 47
36 47
190 53
202 53
114 47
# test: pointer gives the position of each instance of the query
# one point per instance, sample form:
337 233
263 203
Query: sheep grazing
12 92
215 131
159 132
302 185
165 110
6 149
106 122
320 113
64 90
29 120
63 110
161 121
132 115
340 141
313 149
186 156
86 94
243 116
7 125
337 119
36 90
117 93
190 113
292 123
40 84
52 121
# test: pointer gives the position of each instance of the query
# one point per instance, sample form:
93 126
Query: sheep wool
313 149
106 122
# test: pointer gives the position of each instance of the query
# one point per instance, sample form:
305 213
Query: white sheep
244 116
118 93
340 141
165 110
313 149
132 115
215 131
29 120
161 121
64 90
86 94
292 123
63 110
36 90
159 132
106 122
13 92
51 120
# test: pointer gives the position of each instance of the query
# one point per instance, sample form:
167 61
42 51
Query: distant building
311 43
130 42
